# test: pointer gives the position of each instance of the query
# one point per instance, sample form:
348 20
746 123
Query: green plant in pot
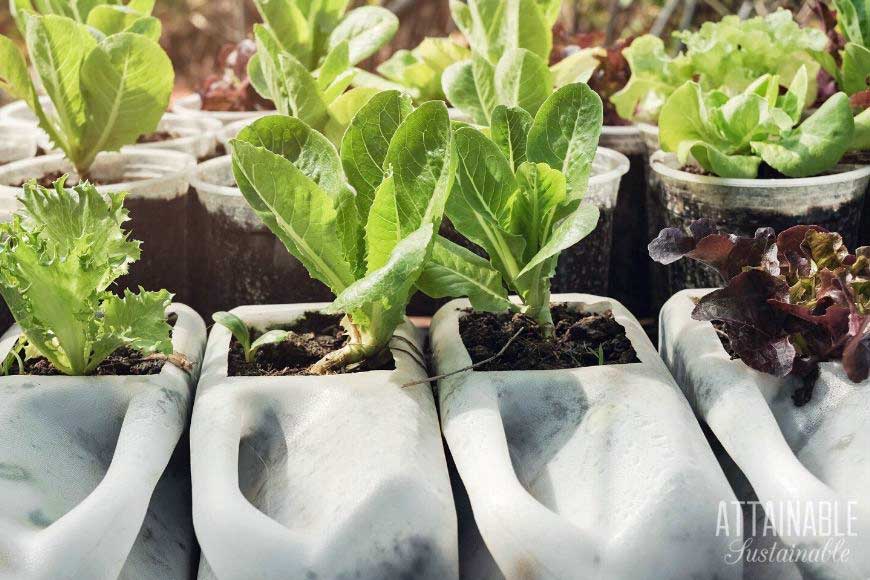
105 16
727 55
518 195
733 136
510 48
58 258
106 91
361 219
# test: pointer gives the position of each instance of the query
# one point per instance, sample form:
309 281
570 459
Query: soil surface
765 171
581 339
47 180
155 137
124 361
311 338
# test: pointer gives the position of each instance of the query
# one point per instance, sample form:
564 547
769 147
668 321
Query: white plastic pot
597 472
16 143
741 206
340 476
157 182
80 458
230 131
650 135
584 267
191 106
805 457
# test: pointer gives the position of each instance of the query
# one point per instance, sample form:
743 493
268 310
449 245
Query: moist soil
47 180
580 339
311 338
155 137
765 171
124 361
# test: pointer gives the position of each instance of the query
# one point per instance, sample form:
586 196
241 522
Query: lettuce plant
790 301
848 56
311 31
727 55
319 98
517 195
360 219
730 137
105 92
57 259
510 47
105 16
419 71
243 335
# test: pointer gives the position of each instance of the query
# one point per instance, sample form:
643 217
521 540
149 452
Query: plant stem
346 355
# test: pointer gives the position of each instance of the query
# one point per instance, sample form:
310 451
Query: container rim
617 162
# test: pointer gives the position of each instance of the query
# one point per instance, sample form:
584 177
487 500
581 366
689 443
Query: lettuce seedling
105 92
57 259
361 220
311 31
510 45
730 137
517 195
243 335
727 55
105 16
790 301
318 99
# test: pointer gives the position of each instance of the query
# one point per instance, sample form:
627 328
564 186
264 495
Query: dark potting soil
155 137
311 338
581 338
123 362
47 180
856 158
765 171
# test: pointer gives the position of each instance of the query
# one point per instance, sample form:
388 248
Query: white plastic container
813 457
597 472
191 106
340 476
157 182
80 458
650 135
230 132
16 143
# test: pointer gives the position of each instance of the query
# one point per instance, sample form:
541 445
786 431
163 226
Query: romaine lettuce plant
730 137
419 71
360 219
727 55
848 57
518 196
105 92
57 259
789 302
311 31
319 98
106 16
510 44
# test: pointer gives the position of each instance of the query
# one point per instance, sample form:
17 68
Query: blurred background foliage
194 31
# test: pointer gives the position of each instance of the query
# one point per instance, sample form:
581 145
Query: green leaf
571 230
137 321
485 83
565 134
452 271
523 80
817 145
336 63
856 68
270 337
14 78
575 68
290 28
421 69
365 29
720 163
149 27
298 211
389 285
127 82
112 19
684 118
343 109
367 139
540 191
461 90
300 89
509 130
236 326
861 138
794 101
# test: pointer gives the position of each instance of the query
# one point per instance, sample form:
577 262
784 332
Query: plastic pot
629 263
156 181
741 206
339 476
191 106
596 472
16 143
585 266
243 262
803 459
84 487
